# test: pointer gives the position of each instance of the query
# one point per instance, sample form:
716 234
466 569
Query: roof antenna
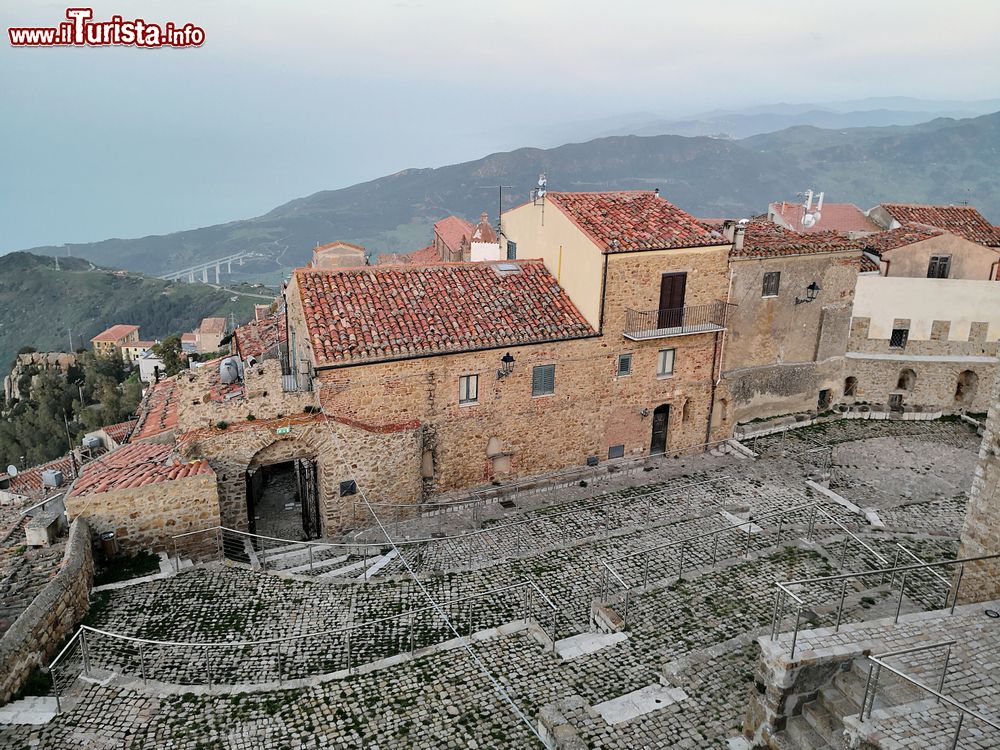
656 192
538 193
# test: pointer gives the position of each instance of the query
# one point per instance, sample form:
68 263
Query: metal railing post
218 544
85 652
870 685
899 602
774 616
177 559
840 609
411 634
263 555
142 663
749 527
208 669
795 635
471 616
680 564
715 550
555 614
944 672
625 612
812 524
843 552
958 585
958 730
310 558
55 689
279 665
349 668
895 564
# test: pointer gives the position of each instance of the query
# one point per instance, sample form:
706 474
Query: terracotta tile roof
633 220
395 312
339 244
835 217
158 411
143 344
452 230
868 264
904 235
29 481
764 239
212 325
189 338
262 335
115 333
422 256
121 431
965 221
135 465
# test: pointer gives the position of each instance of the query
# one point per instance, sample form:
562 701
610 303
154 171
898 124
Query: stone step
33 710
836 703
823 722
316 564
804 737
379 564
346 569
274 554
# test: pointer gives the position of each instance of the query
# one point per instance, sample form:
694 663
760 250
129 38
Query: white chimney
739 232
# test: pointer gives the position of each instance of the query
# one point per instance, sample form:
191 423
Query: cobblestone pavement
695 633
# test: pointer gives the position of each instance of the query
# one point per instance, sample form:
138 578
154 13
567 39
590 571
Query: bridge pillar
229 267
204 274
218 270
241 260
191 277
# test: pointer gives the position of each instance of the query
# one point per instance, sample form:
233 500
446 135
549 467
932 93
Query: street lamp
506 365
811 292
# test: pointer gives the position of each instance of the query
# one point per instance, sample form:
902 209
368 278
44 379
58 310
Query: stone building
145 493
925 329
209 335
112 341
452 239
607 346
338 254
788 331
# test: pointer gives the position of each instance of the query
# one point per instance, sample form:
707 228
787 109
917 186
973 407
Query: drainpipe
711 401
604 288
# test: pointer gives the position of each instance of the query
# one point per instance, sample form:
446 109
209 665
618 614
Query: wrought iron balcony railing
681 321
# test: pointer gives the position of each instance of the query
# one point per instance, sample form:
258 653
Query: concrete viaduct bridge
203 269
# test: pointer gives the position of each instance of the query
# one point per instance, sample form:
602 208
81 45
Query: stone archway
907 380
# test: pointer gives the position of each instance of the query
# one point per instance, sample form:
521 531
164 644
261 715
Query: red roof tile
900 236
396 312
135 465
633 220
29 481
452 230
868 264
158 410
835 217
213 325
261 335
764 239
115 333
965 221
422 256
121 431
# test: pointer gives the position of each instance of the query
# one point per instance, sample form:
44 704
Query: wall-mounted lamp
811 291
644 412
506 366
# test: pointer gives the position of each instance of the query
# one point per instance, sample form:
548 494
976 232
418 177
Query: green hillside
942 161
40 306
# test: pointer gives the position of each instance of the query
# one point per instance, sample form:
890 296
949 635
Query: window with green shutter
543 380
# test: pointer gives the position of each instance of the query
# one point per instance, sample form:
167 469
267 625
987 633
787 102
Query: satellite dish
809 220
12 471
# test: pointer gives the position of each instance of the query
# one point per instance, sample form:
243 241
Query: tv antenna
810 215
499 188
539 192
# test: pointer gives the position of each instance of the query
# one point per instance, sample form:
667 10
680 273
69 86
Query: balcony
682 321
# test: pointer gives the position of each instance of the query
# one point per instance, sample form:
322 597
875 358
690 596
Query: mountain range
945 160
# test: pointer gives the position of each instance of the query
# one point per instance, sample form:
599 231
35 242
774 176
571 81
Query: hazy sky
289 97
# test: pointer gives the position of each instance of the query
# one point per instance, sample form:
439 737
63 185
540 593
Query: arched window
965 390
850 387
907 380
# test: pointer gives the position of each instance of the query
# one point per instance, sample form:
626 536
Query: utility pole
70 331
499 188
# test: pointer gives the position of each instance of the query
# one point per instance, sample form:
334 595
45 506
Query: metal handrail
676 321
878 664
783 590
912 556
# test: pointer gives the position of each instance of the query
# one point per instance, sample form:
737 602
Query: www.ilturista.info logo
80 31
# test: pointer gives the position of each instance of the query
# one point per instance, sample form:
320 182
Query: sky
288 97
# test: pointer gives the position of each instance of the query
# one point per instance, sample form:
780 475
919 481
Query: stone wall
780 354
40 630
981 532
385 460
147 517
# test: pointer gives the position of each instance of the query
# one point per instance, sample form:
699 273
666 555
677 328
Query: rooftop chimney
739 232
728 227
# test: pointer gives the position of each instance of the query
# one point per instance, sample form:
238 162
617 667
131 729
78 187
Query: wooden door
661 419
309 497
672 288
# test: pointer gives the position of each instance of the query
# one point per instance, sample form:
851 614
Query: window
616 451
511 250
349 487
468 389
939 267
625 364
772 282
543 380
898 338
851 386
665 363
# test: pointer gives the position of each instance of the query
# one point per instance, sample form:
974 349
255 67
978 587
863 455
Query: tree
169 350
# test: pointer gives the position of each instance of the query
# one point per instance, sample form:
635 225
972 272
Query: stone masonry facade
39 631
981 532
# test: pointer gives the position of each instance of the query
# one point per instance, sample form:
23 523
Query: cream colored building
115 339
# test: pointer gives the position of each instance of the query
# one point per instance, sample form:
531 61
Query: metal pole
812 524
218 544
553 639
411 634
645 569
749 526
349 670
944 672
774 616
208 670
471 616
142 663
310 558
795 635
85 652
868 687
899 602
177 559
625 613
843 551
781 520
840 609
263 555
958 731
871 706
279 665
715 550
55 689
895 564
958 585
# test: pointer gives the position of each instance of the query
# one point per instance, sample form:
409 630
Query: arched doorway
282 492
661 420
965 389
